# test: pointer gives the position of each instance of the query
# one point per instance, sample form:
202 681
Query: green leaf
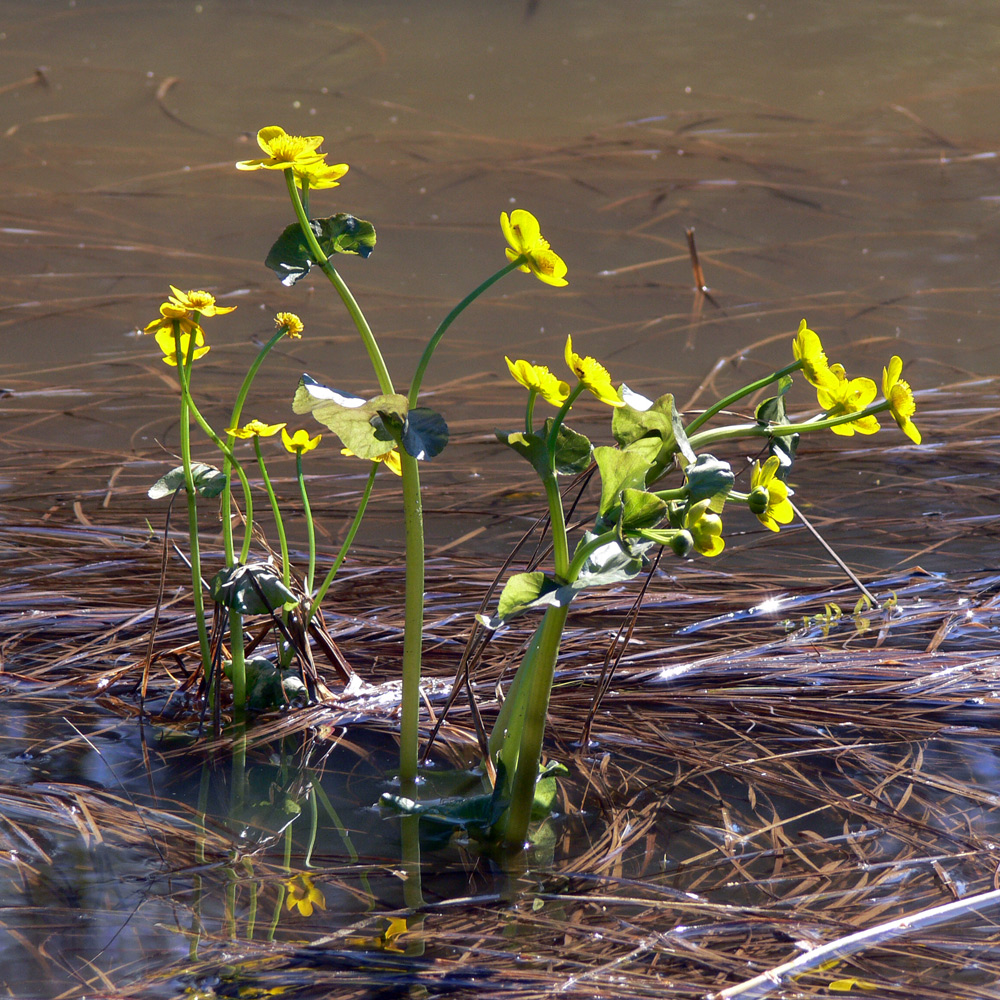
269 687
657 420
772 409
609 563
546 789
291 259
572 450
360 423
709 477
208 482
622 469
251 589
640 509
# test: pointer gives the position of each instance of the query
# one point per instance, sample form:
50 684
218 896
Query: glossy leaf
208 482
623 469
709 477
291 258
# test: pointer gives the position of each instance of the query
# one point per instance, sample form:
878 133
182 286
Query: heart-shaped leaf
208 482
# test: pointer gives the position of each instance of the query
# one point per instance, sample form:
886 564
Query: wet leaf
208 482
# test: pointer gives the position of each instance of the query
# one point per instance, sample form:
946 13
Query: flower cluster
298 153
591 375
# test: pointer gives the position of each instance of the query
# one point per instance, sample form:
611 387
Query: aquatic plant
636 514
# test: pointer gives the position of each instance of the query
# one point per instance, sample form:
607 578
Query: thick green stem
413 624
345 546
310 528
526 772
735 397
425 358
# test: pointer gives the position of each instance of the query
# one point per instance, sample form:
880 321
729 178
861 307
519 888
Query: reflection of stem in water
324 800
313 826
409 831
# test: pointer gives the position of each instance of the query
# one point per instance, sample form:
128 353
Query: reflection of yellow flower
165 339
319 174
304 895
899 395
705 528
284 151
255 428
848 396
525 239
539 379
593 375
299 442
776 506
390 460
292 324
808 348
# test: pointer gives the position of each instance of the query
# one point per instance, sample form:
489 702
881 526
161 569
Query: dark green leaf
251 589
609 564
425 433
291 259
208 482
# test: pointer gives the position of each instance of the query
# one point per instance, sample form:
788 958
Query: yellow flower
899 395
849 396
776 507
525 239
319 174
171 313
539 379
292 323
299 442
304 895
199 302
168 346
705 528
284 151
808 348
390 460
593 375
255 428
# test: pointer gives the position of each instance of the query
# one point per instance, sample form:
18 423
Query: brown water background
837 162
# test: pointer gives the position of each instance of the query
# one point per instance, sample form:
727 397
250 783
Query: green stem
367 337
310 528
526 772
735 397
244 482
345 546
733 431
413 624
234 421
581 554
425 358
198 596
286 568
557 517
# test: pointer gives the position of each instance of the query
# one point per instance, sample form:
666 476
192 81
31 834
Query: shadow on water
768 770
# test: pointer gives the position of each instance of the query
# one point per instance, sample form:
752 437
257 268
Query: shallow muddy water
837 162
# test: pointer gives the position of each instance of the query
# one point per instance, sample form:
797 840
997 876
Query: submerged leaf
208 482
